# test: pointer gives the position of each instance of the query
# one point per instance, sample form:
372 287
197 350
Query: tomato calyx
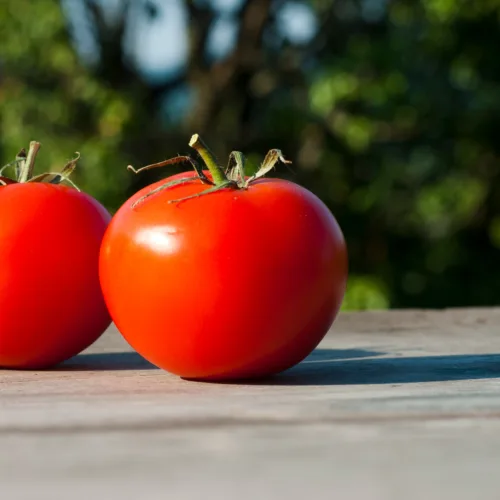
24 165
232 177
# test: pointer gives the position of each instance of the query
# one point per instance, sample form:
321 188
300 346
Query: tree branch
110 38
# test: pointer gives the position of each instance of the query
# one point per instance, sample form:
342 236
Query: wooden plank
400 404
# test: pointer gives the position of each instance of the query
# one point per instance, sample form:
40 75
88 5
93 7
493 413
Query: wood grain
392 405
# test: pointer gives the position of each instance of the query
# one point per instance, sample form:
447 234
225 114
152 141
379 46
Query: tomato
232 284
51 304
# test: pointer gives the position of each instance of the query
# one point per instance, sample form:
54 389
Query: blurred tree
388 108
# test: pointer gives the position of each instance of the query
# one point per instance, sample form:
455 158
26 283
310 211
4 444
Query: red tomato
232 284
51 304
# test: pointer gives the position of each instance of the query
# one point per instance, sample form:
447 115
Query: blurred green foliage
390 113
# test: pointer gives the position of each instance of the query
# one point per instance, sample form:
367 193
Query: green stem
20 161
27 169
218 175
233 177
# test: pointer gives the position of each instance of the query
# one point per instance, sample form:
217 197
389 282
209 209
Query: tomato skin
228 285
51 304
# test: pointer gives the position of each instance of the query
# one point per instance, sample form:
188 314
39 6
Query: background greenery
389 109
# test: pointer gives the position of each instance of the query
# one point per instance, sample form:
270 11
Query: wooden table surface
392 405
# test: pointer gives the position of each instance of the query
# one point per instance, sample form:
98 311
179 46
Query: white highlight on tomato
163 239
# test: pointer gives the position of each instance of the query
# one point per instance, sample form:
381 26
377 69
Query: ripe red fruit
241 278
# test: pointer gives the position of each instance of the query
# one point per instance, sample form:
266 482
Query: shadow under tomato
321 356
327 370
109 361
331 367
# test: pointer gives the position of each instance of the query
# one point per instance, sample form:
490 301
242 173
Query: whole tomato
242 277
51 304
